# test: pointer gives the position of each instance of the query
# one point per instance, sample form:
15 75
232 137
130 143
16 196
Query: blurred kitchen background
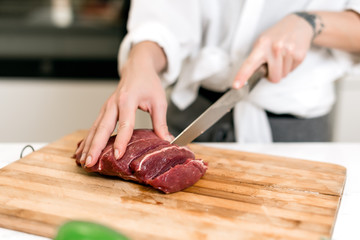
58 66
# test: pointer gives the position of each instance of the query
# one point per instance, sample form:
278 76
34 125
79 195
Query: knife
218 109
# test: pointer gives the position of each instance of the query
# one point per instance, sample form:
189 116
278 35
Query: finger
158 116
298 57
249 66
103 132
87 141
125 128
287 65
275 64
80 148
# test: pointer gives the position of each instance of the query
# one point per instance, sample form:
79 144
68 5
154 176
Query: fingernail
88 160
237 85
83 155
116 153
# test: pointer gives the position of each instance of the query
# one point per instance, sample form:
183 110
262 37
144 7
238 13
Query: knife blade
218 109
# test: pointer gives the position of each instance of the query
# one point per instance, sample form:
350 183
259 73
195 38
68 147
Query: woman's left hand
283 47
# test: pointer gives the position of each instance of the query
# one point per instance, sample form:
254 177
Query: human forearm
340 30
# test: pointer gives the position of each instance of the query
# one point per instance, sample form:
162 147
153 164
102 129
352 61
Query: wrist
314 20
149 55
137 65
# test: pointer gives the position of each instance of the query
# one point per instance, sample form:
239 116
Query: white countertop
345 154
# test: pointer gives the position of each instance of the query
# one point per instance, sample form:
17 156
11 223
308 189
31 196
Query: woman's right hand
139 87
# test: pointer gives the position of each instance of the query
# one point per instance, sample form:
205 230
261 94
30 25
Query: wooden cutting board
242 196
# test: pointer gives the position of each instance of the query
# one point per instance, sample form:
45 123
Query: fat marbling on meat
151 160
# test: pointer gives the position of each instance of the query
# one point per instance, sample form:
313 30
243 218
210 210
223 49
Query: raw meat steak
151 160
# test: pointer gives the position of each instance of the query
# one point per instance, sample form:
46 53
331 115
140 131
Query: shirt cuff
155 32
353 5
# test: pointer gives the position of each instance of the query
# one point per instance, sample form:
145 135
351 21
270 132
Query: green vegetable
81 230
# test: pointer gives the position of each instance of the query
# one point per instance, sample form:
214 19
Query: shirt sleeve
353 5
174 25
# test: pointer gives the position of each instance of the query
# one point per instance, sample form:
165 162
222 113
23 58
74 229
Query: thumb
249 66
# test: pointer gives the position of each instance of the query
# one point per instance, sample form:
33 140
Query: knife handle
260 73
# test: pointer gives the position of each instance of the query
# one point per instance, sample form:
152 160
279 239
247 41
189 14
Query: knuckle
122 98
103 108
103 128
263 41
290 49
108 104
278 47
93 146
162 104
125 125
162 125
93 128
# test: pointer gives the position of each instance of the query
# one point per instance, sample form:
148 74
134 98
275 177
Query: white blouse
205 42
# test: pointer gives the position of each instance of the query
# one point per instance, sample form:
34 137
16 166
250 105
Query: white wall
44 110
347 118
34 110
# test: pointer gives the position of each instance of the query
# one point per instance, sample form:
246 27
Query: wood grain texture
242 196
